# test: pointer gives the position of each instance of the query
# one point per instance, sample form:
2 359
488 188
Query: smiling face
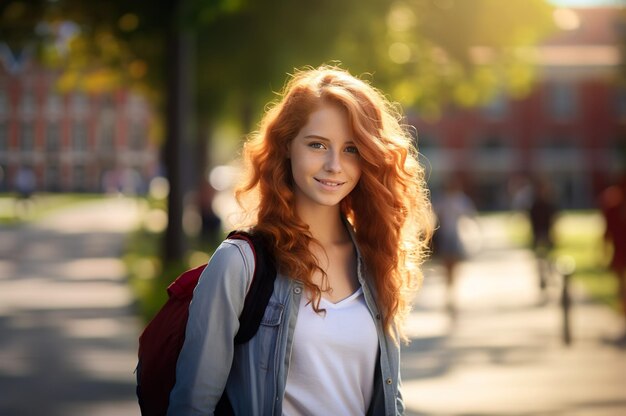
325 162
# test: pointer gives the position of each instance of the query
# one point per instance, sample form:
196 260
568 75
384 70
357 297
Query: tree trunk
176 150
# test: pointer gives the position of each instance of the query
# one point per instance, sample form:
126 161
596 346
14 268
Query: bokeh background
120 127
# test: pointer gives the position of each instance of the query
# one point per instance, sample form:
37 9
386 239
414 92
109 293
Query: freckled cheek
354 169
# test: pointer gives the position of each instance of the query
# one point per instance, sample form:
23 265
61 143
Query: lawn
14 210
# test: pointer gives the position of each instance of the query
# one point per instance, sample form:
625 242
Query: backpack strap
261 288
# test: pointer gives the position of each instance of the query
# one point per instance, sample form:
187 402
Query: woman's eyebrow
318 137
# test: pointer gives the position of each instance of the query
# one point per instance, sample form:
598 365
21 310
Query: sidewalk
503 354
69 332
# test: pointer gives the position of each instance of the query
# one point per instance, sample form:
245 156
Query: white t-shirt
331 371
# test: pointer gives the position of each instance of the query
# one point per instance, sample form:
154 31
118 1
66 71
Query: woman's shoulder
233 255
232 258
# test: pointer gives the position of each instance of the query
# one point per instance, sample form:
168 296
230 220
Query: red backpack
162 339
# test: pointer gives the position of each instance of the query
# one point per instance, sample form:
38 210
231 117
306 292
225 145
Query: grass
578 235
14 211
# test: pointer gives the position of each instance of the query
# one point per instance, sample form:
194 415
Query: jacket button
378 316
389 381
297 290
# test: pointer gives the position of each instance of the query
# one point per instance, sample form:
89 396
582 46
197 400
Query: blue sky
586 3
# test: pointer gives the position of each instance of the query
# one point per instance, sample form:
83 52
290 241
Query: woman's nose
333 162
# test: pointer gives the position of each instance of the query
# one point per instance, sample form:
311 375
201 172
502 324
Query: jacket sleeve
207 353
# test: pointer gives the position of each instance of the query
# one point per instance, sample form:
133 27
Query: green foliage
463 52
18 20
427 52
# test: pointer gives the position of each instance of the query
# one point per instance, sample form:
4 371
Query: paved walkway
68 332
68 343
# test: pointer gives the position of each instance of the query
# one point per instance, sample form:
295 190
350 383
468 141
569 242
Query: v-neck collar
343 302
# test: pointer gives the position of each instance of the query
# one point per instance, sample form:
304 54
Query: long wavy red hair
389 208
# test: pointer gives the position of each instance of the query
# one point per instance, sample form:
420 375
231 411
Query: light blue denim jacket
254 374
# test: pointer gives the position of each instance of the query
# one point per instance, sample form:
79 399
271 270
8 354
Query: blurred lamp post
565 266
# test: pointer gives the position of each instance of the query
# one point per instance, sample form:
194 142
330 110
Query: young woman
336 185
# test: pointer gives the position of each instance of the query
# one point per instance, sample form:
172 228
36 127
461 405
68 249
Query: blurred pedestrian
613 205
25 184
211 227
451 207
333 182
542 214
520 190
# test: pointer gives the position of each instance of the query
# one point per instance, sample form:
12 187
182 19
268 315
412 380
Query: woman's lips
330 183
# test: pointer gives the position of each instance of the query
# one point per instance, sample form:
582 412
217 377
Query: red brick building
570 129
72 141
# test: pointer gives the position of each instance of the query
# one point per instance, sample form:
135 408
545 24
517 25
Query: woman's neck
325 223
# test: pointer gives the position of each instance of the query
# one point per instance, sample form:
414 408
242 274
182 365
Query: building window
53 138
135 107
105 134
27 105
559 144
562 101
54 106
4 138
51 177
79 179
4 104
106 137
492 143
493 153
4 186
108 102
619 150
620 103
79 137
136 137
425 142
557 154
79 105
27 137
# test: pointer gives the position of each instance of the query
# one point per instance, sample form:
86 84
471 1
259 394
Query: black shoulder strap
261 288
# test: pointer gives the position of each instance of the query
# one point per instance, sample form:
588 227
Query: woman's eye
316 145
352 149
